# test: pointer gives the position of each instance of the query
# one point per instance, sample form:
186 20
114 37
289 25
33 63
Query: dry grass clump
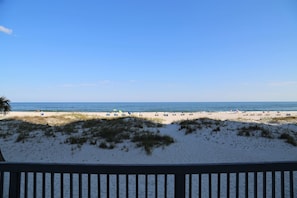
255 130
55 120
288 119
289 138
149 140
190 126
262 131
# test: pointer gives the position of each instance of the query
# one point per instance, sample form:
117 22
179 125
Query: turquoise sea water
153 106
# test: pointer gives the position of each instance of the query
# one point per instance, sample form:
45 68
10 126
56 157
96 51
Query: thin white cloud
87 84
283 83
105 82
5 30
80 85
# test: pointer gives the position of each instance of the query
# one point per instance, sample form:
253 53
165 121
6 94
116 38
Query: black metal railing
275 179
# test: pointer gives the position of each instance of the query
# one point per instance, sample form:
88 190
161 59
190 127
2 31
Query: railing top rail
148 168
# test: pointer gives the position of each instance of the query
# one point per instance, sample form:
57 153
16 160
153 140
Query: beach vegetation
105 133
49 132
4 105
106 145
113 134
190 126
76 140
91 123
4 134
289 119
22 137
217 129
79 116
29 127
32 119
103 145
254 130
289 138
148 141
69 128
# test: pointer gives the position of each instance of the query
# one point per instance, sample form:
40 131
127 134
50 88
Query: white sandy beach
203 146
169 117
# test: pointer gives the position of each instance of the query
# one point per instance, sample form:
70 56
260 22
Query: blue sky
148 50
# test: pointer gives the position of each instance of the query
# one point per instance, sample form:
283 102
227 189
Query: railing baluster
71 184
237 184
219 185
156 186
255 185
200 186
165 185
146 185
80 185
43 185
190 185
291 184
209 186
89 185
34 185
61 185
99 185
246 184
26 185
273 184
107 186
127 185
118 186
136 185
282 184
228 185
264 184
52 184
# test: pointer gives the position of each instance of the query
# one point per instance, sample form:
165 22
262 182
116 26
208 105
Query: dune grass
190 126
80 129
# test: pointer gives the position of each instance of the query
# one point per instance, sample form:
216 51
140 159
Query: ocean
153 106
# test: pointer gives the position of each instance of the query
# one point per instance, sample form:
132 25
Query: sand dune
203 145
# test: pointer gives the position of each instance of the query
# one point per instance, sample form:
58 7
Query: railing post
179 185
15 184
